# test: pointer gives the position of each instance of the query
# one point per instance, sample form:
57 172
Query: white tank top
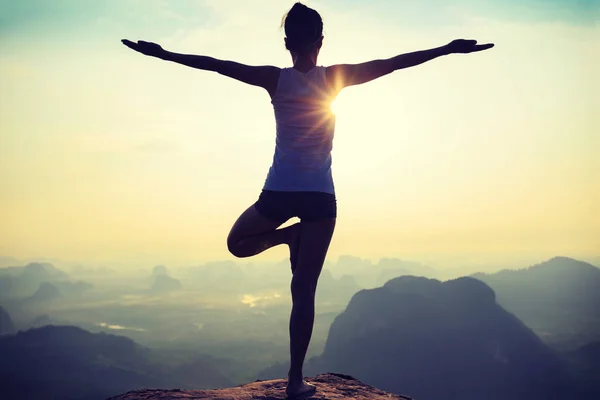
305 128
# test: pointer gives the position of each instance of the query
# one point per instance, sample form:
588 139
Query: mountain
43 272
6 324
585 367
66 362
338 291
329 386
210 277
369 275
434 340
46 293
159 270
76 289
559 299
23 282
164 283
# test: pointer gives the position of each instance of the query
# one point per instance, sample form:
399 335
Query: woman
299 182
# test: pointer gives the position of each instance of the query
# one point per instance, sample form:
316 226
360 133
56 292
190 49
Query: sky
488 158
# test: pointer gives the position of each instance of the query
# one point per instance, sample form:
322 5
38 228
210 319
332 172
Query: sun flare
340 107
333 107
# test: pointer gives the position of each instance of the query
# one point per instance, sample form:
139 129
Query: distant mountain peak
411 280
159 270
469 289
164 283
555 265
46 292
39 266
42 271
464 288
558 298
563 261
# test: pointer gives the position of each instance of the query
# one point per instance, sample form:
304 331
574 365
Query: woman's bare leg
314 241
253 233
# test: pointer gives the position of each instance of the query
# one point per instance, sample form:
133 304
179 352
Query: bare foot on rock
301 391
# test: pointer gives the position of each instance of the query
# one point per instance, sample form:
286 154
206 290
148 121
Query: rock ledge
329 386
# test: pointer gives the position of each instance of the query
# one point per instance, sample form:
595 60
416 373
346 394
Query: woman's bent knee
234 248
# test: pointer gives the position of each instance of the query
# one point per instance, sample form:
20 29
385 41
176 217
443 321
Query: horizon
107 156
447 271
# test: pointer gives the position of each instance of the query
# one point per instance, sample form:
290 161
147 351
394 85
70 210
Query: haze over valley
386 323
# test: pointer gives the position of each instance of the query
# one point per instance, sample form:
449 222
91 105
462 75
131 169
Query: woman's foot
294 241
300 391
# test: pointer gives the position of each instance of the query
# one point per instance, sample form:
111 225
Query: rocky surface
329 386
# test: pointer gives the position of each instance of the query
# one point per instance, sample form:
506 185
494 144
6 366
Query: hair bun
297 7
303 27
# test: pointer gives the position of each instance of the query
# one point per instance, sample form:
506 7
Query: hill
19 283
6 323
559 299
585 367
164 284
434 340
66 362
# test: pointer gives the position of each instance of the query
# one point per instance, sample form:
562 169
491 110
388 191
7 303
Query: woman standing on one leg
299 182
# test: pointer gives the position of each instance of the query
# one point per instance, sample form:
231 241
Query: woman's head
303 29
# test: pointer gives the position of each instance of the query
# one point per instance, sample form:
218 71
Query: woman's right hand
147 48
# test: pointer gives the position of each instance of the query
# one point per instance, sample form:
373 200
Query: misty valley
78 332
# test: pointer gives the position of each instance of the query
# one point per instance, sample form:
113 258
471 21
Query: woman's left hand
464 46
147 48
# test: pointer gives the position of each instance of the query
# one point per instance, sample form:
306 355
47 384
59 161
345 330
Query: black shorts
308 206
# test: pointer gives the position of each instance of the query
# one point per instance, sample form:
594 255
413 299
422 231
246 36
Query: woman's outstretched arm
342 75
263 76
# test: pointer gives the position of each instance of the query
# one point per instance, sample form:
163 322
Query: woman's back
305 130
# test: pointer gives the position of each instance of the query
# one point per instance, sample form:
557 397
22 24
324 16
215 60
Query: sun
333 107
346 107
339 107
